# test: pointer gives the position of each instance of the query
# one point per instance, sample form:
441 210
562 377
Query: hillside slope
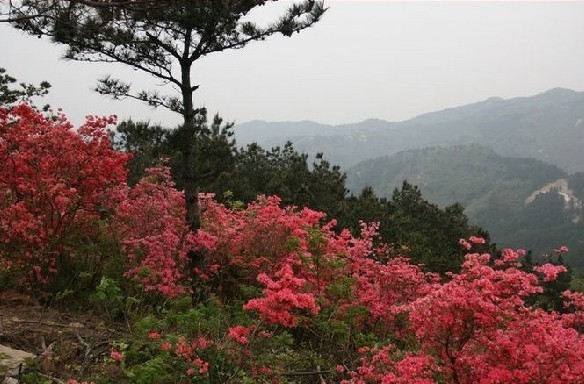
523 203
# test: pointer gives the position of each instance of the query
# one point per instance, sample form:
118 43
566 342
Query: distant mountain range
548 126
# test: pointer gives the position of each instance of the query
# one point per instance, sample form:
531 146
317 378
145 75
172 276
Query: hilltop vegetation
194 260
463 174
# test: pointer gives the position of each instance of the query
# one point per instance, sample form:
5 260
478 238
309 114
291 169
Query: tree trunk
195 259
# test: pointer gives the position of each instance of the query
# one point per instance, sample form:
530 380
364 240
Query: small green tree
430 232
153 145
367 207
418 229
146 144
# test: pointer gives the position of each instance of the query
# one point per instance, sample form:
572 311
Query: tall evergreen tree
157 37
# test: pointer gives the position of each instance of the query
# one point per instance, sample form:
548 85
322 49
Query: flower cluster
281 298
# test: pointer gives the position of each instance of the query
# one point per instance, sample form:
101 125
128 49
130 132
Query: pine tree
157 37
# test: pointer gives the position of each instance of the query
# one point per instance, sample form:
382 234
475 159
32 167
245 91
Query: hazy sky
365 59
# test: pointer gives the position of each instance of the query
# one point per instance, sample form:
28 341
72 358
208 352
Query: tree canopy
158 37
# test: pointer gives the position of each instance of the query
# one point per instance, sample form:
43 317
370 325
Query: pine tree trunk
195 259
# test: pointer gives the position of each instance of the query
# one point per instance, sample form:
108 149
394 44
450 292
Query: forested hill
522 202
464 174
548 126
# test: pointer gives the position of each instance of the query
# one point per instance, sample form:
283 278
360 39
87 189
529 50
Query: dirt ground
67 344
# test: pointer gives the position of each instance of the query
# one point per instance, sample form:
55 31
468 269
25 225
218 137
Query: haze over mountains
548 126
516 165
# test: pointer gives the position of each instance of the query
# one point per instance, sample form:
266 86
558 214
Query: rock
11 361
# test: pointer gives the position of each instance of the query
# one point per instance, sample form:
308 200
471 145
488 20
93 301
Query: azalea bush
476 328
55 182
148 221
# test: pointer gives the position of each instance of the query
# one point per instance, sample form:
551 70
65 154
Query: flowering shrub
550 271
474 327
149 221
54 181
299 261
385 365
574 301
281 298
477 328
460 330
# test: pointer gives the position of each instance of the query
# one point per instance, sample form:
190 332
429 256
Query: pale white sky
365 59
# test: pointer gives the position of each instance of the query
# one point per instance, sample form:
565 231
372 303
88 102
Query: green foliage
412 225
35 378
551 297
110 298
286 173
10 95
577 282
230 202
152 145
214 152
144 361
154 370
146 144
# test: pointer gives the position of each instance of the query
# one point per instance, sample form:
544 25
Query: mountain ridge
543 126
